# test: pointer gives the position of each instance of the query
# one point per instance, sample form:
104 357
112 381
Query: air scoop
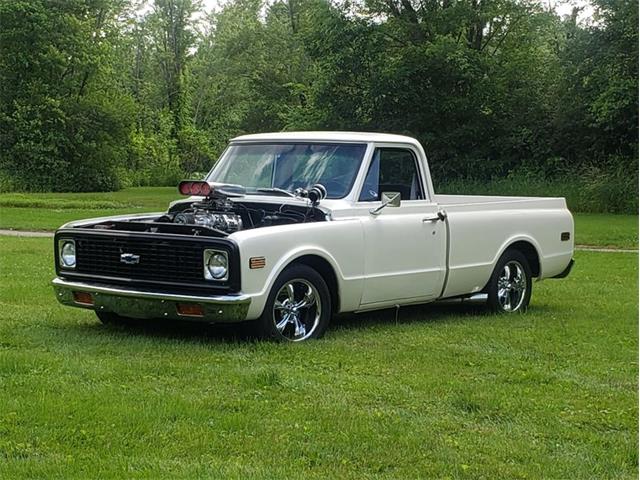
207 189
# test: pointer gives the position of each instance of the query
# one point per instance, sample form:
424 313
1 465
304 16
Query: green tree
63 122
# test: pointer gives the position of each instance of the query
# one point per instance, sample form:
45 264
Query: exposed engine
227 222
231 216
228 212
225 210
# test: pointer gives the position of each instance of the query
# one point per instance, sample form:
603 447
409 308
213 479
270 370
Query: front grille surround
165 260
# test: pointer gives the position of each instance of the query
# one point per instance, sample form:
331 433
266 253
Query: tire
509 288
304 287
108 318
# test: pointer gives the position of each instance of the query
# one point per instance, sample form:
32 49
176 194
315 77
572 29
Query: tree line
101 94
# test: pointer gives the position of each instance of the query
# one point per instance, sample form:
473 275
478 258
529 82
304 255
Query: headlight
67 253
216 265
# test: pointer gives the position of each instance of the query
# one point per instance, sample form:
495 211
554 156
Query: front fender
340 244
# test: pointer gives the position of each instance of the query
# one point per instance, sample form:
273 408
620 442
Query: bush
58 146
152 160
590 190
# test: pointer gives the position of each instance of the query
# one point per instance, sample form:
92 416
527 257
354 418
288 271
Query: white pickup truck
290 228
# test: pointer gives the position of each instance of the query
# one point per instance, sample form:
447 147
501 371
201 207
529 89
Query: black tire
306 282
504 286
109 318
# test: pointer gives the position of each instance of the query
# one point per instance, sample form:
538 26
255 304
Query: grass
607 230
607 189
447 392
48 211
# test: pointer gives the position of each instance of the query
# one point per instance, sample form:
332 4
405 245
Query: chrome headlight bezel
65 244
215 259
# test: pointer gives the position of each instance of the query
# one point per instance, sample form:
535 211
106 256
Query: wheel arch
528 247
320 261
326 271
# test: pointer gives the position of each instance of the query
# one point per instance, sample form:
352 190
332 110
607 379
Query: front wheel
298 307
509 288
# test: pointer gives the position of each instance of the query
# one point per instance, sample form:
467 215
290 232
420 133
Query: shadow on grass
434 312
445 312
182 330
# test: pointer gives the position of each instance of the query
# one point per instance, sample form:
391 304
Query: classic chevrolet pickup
290 228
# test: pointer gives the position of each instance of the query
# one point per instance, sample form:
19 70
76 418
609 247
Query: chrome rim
297 309
512 286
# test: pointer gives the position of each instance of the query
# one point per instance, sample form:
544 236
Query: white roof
327 137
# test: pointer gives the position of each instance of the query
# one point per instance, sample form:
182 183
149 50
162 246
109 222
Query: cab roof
355 137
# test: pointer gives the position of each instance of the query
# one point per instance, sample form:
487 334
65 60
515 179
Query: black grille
160 260
168 262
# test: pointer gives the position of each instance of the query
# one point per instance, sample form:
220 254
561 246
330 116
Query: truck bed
481 227
488 202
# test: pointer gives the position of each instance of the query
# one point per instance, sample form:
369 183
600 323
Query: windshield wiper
275 190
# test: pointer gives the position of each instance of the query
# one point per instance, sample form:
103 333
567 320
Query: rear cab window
392 170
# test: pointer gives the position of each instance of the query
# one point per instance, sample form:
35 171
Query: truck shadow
434 312
445 312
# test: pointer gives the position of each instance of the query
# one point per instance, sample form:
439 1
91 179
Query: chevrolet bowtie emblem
129 258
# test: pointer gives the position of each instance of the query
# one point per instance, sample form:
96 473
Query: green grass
607 230
605 190
48 211
447 392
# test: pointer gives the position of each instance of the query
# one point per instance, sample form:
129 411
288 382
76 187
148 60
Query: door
405 246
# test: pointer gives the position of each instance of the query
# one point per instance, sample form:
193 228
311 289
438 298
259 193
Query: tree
63 122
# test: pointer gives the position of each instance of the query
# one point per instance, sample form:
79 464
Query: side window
392 170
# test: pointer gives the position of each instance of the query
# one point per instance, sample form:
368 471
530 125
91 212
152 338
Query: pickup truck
289 229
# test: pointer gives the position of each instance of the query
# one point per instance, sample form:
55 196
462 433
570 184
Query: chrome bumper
133 303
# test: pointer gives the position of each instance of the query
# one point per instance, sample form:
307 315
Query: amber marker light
83 298
190 310
257 262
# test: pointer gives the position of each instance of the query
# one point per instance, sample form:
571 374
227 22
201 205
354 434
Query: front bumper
137 303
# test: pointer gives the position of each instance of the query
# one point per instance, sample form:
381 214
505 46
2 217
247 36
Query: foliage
97 94
63 125
594 189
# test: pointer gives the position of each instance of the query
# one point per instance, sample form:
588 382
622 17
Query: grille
159 260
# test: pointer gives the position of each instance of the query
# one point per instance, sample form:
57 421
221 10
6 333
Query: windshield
290 166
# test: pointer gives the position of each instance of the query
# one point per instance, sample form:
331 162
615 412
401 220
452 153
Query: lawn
446 392
47 211
607 230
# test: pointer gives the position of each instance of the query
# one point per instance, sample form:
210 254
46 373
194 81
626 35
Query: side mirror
389 199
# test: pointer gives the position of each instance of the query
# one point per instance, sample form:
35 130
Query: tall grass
591 191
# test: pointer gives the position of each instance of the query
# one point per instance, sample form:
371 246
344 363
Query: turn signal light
195 187
257 262
190 310
83 298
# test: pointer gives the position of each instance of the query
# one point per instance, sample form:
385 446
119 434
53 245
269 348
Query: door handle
441 215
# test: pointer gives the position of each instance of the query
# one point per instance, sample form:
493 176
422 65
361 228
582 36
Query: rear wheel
298 307
509 288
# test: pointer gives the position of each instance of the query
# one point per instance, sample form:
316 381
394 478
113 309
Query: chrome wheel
297 310
512 286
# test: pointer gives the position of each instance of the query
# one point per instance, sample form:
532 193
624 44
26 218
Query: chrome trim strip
129 292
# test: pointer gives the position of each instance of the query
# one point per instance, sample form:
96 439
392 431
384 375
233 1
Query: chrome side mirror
389 199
